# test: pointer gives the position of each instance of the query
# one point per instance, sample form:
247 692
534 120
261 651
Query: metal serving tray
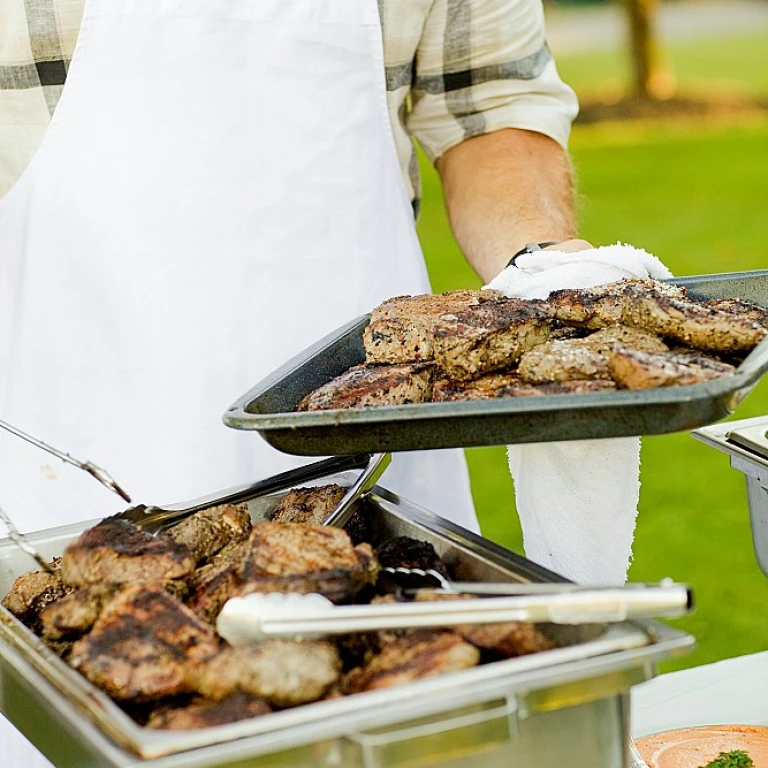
568 706
269 407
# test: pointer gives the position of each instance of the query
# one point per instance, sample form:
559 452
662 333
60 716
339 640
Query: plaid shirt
454 69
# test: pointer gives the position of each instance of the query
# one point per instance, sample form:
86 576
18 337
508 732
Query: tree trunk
651 78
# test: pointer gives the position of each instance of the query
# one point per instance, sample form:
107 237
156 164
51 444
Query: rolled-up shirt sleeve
484 65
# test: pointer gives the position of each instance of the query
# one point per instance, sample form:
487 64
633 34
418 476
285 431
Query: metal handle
92 469
367 480
258 617
21 543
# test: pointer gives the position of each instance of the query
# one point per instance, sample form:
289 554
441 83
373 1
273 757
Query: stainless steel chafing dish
746 442
568 706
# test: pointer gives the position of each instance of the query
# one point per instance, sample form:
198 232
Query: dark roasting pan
269 407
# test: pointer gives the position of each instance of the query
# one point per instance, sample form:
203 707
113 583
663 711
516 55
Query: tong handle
257 617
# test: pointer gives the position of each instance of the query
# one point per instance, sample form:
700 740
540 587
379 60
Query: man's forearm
503 190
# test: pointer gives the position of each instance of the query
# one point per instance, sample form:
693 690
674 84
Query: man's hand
505 189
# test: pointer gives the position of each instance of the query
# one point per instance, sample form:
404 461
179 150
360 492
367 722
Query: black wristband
529 248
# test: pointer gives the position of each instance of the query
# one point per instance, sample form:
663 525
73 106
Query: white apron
218 188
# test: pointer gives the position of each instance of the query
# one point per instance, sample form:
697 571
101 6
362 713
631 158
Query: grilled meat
31 592
364 386
308 505
632 369
747 310
508 639
693 323
202 713
415 656
283 672
233 554
143 645
401 330
602 305
117 552
74 614
209 530
406 552
497 385
291 557
489 336
211 586
583 359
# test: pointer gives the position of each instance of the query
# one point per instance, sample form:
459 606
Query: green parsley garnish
736 759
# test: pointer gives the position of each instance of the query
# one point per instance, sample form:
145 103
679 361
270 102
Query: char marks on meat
202 713
118 552
364 386
283 672
211 586
74 614
401 329
210 530
308 505
31 592
143 645
295 557
585 358
489 336
417 655
642 370
407 552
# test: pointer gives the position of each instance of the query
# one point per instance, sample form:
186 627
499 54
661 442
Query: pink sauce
694 747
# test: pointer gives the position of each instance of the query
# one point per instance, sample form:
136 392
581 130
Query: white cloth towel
577 500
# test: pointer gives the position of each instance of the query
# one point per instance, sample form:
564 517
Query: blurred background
671 155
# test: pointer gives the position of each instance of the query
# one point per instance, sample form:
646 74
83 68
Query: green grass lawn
695 195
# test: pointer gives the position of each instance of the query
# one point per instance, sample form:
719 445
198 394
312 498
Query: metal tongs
92 469
259 617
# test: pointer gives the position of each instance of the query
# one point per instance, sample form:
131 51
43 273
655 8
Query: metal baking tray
269 408
540 709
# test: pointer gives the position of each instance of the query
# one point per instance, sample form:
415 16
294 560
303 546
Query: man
221 184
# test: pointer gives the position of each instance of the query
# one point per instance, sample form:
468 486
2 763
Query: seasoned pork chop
632 369
143 645
417 655
31 592
489 336
283 672
585 358
203 713
401 329
209 530
74 614
363 386
211 586
117 552
308 505
298 557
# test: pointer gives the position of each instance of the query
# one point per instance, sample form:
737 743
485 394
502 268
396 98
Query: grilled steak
117 552
74 614
641 370
747 310
283 672
496 385
416 655
31 592
508 639
203 713
602 305
583 359
209 530
406 552
233 554
308 505
401 330
364 386
693 323
211 586
296 557
143 645
489 336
